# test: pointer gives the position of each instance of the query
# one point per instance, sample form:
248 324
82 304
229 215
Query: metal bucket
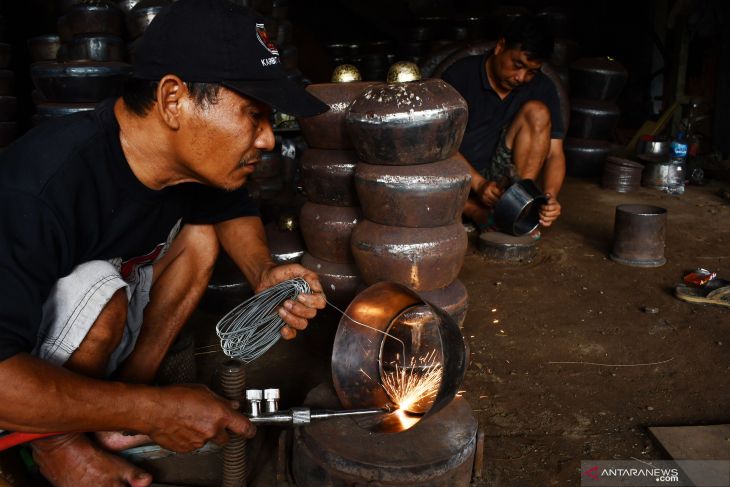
638 235
621 175
661 175
518 210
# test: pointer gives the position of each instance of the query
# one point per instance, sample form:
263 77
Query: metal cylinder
233 383
254 398
621 175
638 235
271 400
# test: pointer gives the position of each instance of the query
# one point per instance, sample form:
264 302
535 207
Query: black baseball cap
216 41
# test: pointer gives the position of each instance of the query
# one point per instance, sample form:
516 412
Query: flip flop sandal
719 293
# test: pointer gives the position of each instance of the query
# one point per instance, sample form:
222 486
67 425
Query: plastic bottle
678 163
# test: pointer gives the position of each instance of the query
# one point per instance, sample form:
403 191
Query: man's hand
550 211
186 417
489 193
295 313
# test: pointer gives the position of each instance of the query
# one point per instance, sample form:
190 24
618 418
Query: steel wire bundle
251 328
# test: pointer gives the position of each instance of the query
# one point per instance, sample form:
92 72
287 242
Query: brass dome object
346 73
403 72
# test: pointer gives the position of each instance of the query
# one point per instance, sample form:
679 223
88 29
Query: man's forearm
554 169
245 242
38 397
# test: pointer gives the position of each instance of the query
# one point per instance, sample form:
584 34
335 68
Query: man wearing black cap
111 222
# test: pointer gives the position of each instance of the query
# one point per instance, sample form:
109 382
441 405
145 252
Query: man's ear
171 94
500 46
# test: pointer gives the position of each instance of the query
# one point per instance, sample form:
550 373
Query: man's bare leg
72 460
529 139
179 281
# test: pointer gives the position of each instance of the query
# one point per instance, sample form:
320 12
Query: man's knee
201 244
537 115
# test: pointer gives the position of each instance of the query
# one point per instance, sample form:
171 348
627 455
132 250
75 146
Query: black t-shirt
68 196
488 114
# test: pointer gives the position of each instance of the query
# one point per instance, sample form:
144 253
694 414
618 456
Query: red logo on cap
263 38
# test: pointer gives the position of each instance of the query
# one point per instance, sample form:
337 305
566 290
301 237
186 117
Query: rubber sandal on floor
710 293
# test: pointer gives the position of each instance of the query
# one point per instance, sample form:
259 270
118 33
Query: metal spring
233 383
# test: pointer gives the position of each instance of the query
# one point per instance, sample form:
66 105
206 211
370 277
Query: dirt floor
573 356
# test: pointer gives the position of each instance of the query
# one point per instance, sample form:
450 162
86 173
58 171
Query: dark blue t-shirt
488 114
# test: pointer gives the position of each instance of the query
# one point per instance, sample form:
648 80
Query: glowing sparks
409 387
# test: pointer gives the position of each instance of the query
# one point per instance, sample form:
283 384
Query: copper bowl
592 119
399 325
95 48
407 123
48 111
142 15
43 48
420 258
327 131
91 17
599 78
328 176
423 195
340 282
79 82
327 229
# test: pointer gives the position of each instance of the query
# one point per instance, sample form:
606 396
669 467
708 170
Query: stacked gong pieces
595 84
412 186
8 101
329 216
83 64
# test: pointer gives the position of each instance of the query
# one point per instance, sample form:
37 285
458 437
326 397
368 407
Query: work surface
572 304
575 305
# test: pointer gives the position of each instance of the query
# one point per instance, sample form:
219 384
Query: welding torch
261 411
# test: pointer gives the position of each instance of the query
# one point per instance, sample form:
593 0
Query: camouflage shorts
501 167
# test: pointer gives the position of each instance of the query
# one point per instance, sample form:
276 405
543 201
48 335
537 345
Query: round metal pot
127 5
518 210
592 119
453 299
8 133
92 17
327 130
424 195
96 48
621 175
227 288
500 17
401 326
638 235
8 108
270 166
65 5
48 111
564 52
559 20
142 14
421 258
662 175
328 176
598 78
327 229
43 48
407 123
7 82
79 82
285 245
585 157
656 147
5 54
340 282
429 65
340 452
